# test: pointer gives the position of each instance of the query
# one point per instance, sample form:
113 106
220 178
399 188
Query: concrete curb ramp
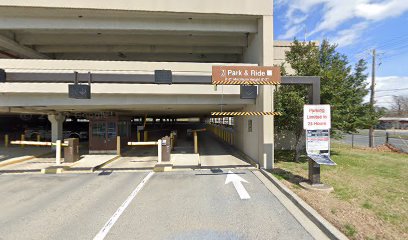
325 226
91 163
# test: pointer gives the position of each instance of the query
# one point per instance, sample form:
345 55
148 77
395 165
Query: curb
21 159
163 167
54 169
325 226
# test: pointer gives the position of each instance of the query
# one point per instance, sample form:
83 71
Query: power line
389 90
393 41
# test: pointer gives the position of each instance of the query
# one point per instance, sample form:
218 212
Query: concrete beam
137 49
130 24
59 66
166 40
242 7
145 77
23 51
150 103
122 89
159 57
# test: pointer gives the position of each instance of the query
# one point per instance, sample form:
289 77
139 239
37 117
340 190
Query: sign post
317 123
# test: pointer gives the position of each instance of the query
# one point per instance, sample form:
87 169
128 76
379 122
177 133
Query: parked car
31 134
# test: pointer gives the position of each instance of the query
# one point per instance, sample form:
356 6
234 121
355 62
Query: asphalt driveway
143 205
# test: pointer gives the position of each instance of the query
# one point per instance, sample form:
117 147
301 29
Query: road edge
325 226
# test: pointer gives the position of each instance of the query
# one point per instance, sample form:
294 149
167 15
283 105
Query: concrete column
265 98
57 121
257 140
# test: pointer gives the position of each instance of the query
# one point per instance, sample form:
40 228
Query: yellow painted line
6 140
21 159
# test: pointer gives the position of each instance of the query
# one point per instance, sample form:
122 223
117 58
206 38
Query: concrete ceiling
124 35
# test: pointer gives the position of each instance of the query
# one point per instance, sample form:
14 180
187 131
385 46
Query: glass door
97 139
111 134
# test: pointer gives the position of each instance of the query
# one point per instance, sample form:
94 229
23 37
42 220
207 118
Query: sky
358 27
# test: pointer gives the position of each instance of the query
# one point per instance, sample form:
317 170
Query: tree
342 86
290 101
399 106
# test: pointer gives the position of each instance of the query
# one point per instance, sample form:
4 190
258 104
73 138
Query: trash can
71 153
166 149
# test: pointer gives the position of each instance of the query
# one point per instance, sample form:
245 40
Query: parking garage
117 50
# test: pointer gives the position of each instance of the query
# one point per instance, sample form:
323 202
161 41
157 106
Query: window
99 129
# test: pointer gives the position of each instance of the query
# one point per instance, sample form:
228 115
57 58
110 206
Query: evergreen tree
342 86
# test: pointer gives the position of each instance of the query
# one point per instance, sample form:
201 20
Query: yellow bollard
38 138
6 140
118 145
138 136
195 142
22 139
172 141
145 135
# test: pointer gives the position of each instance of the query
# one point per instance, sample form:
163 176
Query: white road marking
105 230
237 181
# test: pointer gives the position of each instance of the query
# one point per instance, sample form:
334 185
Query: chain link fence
397 139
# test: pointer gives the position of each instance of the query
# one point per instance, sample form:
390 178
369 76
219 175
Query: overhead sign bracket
80 91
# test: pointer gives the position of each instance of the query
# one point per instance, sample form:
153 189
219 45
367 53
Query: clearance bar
245 75
246 114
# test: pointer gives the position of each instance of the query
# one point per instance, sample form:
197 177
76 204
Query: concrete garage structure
121 43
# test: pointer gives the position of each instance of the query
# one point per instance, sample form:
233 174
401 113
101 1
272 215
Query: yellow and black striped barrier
245 83
246 114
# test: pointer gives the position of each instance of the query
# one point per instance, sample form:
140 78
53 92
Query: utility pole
371 131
